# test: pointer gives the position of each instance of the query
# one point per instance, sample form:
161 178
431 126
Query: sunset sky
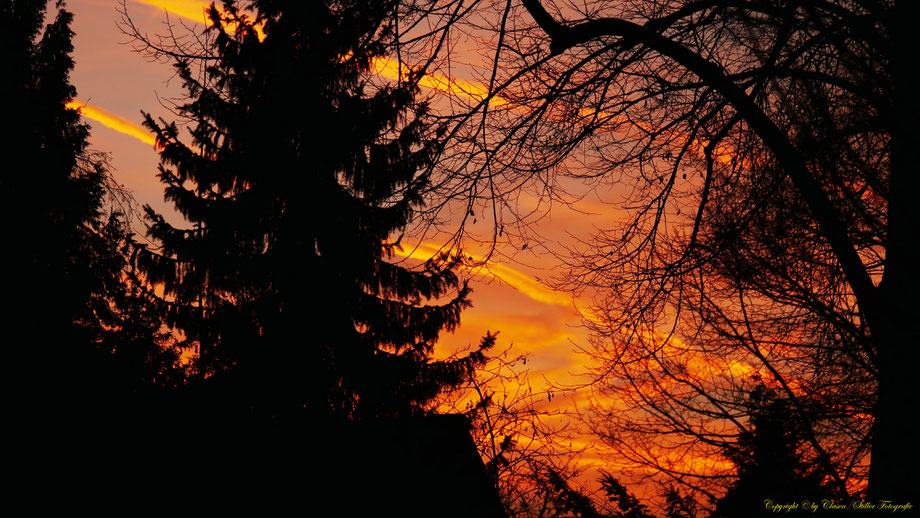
664 240
114 84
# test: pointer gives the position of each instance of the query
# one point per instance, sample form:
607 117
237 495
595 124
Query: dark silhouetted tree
56 202
678 505
83 351
72 308
769 464
764 152
299 175
627 504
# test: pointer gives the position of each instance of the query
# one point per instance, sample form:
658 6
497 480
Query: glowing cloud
477 265
194 10
112 121
391 69
388 68
384 67
190 9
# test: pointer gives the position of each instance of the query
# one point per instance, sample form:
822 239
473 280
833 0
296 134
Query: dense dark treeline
75 332
769 464
84 355
280 282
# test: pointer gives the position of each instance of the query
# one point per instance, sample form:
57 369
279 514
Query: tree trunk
893 473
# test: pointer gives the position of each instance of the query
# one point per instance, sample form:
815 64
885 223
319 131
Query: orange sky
114 84
114 114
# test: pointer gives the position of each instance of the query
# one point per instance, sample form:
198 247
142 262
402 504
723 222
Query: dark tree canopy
57 199
82 350
770 466
762 151
74 320
298 179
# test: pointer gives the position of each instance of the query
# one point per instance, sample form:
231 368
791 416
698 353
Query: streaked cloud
193 10
112 121
384 67
479 265
469 91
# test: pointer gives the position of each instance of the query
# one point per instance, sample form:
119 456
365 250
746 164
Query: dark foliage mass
280 279
78 333
769 462
295 184
83 351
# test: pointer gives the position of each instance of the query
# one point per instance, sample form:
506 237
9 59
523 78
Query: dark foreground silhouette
189 450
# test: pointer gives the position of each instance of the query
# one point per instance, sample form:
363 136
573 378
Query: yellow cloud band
112 121
518 280
385 67
190 9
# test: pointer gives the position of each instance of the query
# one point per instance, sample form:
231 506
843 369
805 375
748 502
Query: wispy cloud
524 283
384 67
112 121
190 9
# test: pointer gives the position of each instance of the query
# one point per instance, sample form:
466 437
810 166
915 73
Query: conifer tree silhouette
81 349
72 310
59 195
770 465
297 180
